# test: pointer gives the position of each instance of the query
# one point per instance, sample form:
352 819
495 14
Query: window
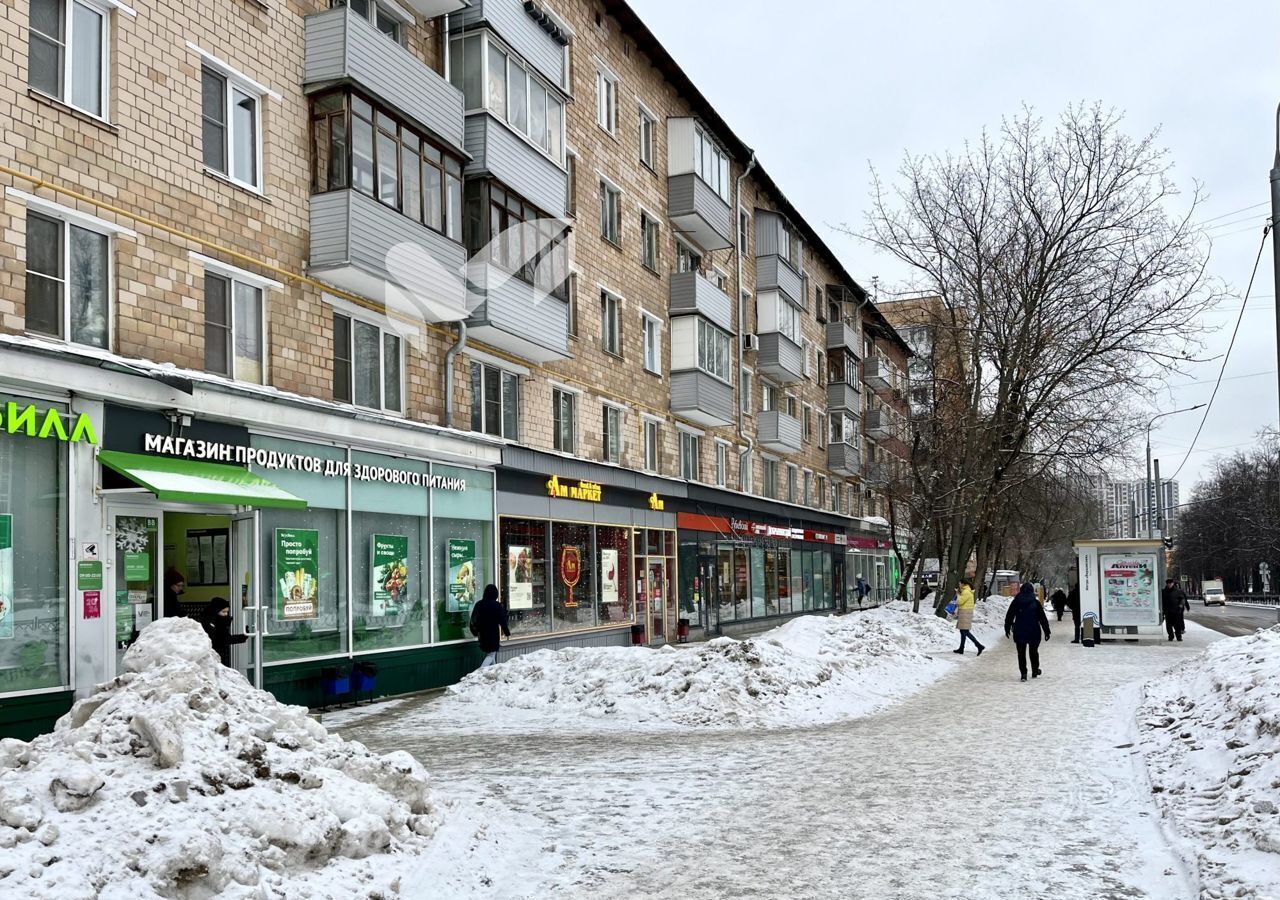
844 430
687 259
720 280
67 54
821 373
357 144
820 492
711 163
769 485
789 323
791 484
571 184
650 445
571 291
791 407
517 237
744 472
822 426
378 15
808 488
610 213
611 435
610 323
489 79
722 463
233 317
68 275
652 343
806 352
564 417
789 244
690 456
231 132
768 397
495 401
713 350
367 365
744 232
606 100
744 392
837 498
806 415
648 125
649 241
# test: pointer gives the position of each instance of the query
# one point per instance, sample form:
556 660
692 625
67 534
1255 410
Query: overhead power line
1234 212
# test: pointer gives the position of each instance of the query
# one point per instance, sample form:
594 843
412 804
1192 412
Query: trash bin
637 635
1089 629
364 678
335 682
682 631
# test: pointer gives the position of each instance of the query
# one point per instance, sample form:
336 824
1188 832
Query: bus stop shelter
1120 583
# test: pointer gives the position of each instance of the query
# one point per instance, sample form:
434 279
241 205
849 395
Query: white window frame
504 370
654 425
358 314
235 79
694 436
236 275
722 463
806 422
649 147
686 253
806 350
609 188
807 481
556 389
606 98
650 224
719 180
793 472
769 395
605 409
705 330
104 8
392 10
769 486
651 328
611 303
744 233
746 376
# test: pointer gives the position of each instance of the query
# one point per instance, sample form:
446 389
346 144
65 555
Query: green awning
195 481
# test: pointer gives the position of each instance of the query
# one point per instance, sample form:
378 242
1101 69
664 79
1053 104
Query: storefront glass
616 578
34 630
573 576
462 534
522 544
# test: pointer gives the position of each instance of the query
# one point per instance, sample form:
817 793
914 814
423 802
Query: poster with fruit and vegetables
389 571
608 576
462 575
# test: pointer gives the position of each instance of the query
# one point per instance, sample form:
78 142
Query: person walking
216 621
861 588
1059 601
1023 622
1174 602
964 616
1073 604
488 618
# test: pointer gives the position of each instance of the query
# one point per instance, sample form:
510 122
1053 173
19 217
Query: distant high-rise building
1124 506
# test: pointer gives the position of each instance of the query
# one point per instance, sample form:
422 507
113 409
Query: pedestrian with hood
1059 601
964 616
1073 604
216 621
1174 602
488 618
1023 622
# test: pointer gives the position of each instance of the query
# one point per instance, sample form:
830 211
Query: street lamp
1152 421
1275 223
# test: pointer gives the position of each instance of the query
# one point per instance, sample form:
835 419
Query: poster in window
608 576
1129 590
389 571
519 577
570 573
297 566
462 576
124 617
6 577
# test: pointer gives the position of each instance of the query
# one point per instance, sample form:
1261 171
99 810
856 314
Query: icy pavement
978 786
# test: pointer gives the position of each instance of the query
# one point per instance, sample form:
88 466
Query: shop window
462 557
785 605
759 590
68 281
616 580
572 574
368 365
495 401
233 328
35 622
68 51
524 555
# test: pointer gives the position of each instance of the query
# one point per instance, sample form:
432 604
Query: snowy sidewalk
977 787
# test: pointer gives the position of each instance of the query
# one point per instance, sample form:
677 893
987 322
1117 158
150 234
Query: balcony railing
779 357
692 293
878 374
702 398
844 459
779 432
698 212
843 336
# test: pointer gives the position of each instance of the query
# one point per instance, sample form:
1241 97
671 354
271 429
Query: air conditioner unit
750 342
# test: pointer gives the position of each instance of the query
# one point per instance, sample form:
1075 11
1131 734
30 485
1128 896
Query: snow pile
179 779
1210 734
809 671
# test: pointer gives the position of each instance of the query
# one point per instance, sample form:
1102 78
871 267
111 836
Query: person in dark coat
216 621
861 588
1023 622
1173 599
1073 604
1059 601
488 617
174 585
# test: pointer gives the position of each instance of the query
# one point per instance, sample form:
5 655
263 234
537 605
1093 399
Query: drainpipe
742 316
458 346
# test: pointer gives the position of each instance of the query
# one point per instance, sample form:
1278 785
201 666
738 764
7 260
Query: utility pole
1275 224
1159 507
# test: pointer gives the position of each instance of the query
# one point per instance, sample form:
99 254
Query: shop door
247 612
709 590
657 576
132 577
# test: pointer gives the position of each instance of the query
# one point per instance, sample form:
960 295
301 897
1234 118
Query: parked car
1211 592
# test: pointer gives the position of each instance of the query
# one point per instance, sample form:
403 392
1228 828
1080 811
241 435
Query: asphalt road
1232 621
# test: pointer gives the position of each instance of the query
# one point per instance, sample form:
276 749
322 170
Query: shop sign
6 577
570 572
758 529
297 565
272 460
656 503
47 424
389 572
589 491
608 575
462 575
93 604
519 577
89 575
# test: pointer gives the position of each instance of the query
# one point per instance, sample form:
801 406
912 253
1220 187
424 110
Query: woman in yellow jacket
964 616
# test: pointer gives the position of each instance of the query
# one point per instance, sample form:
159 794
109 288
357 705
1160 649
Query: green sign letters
46 423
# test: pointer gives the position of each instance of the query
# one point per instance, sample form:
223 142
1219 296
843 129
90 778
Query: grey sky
821 89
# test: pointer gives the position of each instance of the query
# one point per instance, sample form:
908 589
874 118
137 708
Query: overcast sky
822 90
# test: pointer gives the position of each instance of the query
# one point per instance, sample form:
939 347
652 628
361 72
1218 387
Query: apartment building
1123 505
344 310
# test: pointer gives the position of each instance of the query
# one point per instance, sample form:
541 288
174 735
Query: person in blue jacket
1023 622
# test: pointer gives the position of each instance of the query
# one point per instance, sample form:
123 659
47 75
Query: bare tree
1071 288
